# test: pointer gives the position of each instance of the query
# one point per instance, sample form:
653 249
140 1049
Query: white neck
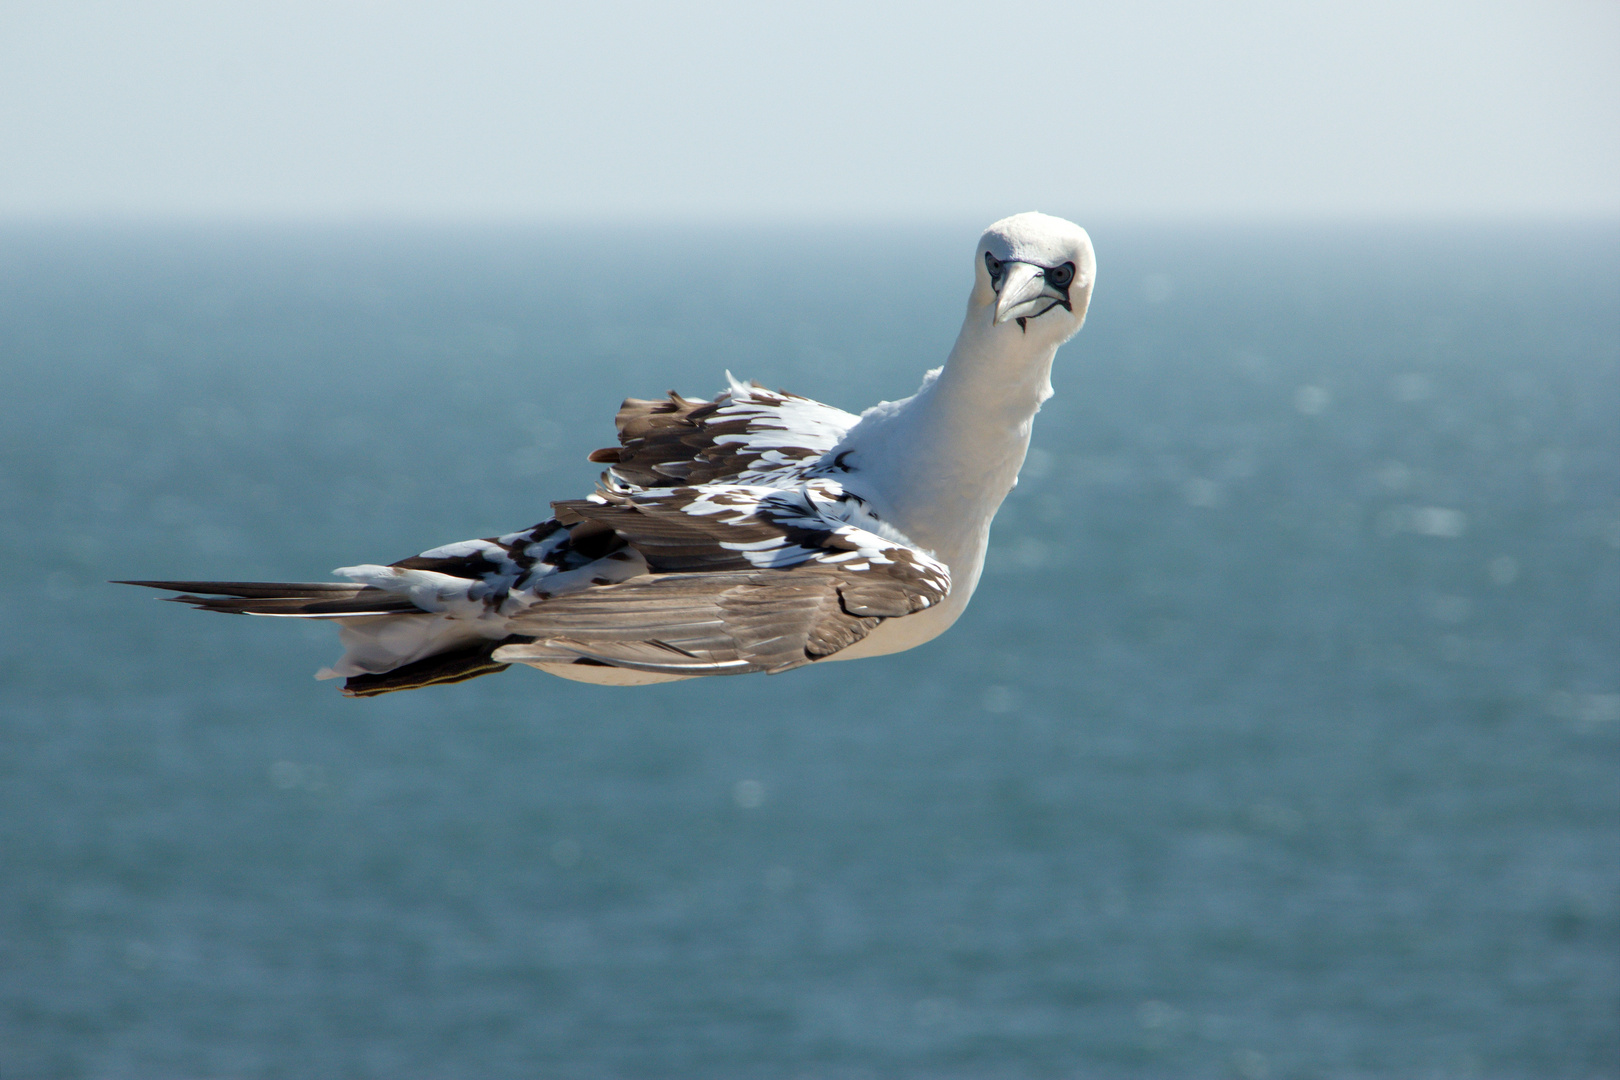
938 464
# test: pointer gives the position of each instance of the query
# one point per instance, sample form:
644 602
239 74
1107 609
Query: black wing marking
672 531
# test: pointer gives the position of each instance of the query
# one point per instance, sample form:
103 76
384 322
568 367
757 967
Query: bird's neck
951 453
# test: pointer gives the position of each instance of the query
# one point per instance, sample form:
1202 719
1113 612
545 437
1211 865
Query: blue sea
1280 740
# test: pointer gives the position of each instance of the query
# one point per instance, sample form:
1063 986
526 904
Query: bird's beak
1022 292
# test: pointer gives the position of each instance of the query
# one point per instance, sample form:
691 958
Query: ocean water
1279 741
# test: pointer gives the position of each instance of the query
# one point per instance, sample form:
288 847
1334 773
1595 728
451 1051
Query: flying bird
758 531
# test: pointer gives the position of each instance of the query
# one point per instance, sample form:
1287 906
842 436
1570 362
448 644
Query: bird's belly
898 635
607 676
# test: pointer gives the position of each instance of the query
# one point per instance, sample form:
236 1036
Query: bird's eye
1061 275
992 264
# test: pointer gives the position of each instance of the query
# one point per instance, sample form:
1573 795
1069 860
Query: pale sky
810 112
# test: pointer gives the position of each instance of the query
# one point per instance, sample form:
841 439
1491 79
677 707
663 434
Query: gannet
757 531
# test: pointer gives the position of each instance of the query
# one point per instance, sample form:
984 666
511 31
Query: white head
1033 278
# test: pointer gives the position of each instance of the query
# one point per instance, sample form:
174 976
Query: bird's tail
295 599
392 644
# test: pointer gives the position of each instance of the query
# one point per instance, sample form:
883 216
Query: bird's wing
698 624
714 580
741 579
746 435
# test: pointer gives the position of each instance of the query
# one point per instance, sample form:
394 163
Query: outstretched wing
715 580
746 435
742 579
718 580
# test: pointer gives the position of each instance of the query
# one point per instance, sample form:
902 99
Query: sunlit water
1280 740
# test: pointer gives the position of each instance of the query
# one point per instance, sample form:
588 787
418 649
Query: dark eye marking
1057 280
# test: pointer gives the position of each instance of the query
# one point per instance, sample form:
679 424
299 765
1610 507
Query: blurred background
1279 741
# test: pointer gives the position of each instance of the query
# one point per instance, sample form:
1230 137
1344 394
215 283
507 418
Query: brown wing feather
670 442
716 623
675 541
676 442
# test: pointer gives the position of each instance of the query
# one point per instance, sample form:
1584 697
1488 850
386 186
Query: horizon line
792 220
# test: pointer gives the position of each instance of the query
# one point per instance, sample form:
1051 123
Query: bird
757 531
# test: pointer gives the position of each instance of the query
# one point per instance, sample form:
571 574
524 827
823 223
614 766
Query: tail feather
368 641
251 588
437 670
301 599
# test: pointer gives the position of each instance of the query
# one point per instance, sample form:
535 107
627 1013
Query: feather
308 599
717 623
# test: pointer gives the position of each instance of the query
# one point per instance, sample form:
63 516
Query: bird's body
759 531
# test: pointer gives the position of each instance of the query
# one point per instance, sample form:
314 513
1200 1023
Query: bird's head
1034 277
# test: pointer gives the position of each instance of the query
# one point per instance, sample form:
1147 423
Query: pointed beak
1022 292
